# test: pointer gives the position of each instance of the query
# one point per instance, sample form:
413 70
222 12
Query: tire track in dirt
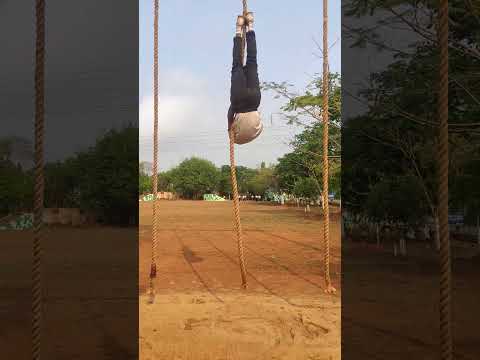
261 264
304 244
301 244
284 267
220 268
302 263
172 269
282 264
190 257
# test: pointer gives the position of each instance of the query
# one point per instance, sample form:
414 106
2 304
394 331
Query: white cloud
174 114
182 100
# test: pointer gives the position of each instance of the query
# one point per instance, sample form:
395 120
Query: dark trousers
245 93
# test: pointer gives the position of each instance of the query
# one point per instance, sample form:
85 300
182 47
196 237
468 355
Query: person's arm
230 117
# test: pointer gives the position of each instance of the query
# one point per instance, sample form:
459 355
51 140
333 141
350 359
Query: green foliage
145 184
195 177
301 109
391 200
289 170
16 185
16 188
262 181
244 175
101 180
305 161
306 188
388 145
165 181
109 187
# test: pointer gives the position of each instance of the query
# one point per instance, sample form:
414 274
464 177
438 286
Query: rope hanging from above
446 343
153 266
236 212
325 117
233 173
37 287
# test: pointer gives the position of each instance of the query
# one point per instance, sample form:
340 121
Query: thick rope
245 7
325 118
37 289
153 268
445 258
233 173
236 211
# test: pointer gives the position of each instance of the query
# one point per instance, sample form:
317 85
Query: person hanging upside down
245 95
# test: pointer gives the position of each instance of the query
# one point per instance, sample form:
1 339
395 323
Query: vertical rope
445 257
153 268
37 289
325 118
245 7
236 211
233 173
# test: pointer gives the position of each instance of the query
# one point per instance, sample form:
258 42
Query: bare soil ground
201 312
90 277
390 305
89 281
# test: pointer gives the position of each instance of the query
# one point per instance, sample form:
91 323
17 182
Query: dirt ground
91 295
90 308
201 312
92 305
390 305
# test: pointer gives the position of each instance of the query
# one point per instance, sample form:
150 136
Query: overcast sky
92 83
195 46
91 65
89 87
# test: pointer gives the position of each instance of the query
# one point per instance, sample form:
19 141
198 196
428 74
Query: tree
262 181
244 175
195 177
388 141
16 188
390 200
306 188
145 184
289 170
165 181
305 161
109 187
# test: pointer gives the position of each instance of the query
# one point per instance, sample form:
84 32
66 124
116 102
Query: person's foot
249 19
240 24
240 20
